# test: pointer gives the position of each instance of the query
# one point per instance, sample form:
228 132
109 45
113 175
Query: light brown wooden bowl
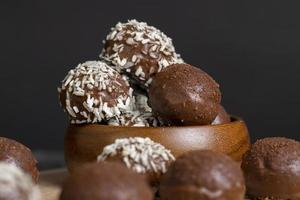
83 143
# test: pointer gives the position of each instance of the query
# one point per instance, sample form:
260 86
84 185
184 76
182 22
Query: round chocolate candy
105 181
142 155
19 155
222 118
139 50
205 175
272 169
15 184
184 95
93 92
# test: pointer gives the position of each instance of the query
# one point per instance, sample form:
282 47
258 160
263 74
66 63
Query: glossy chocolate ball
184 95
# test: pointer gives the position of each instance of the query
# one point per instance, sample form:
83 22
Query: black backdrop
250 47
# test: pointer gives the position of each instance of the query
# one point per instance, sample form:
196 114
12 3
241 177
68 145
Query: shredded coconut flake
88 78
140 154
140 33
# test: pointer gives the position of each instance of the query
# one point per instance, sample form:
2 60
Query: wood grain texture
83 143
50 183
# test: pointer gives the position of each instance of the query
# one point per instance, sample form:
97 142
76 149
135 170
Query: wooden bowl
83 143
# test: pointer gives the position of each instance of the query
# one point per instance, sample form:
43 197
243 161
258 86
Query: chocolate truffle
16 185
105 181
139 50
140 116
143 107
222 117
19 155
203 174
131 118
184 95
272 169
142 155
93 92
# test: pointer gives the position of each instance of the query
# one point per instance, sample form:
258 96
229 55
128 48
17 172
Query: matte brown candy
16 153
203 175
222 117
105 181
184 95
272 169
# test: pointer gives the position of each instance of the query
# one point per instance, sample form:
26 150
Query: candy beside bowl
83 143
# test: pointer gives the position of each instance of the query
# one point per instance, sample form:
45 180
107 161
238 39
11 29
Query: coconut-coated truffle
184 95
142 105
203 174
16 184
93 92
19 155
142 155
105 181
140 116
139 50
222 118
272 169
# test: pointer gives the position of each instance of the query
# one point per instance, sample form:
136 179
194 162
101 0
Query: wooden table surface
50 183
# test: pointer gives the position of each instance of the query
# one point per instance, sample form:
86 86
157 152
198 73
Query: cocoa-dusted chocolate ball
105 181
139 50
16 184
272 169
93 92
142 155
222 118
184 95
203 175
19 155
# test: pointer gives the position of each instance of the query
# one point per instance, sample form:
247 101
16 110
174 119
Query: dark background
250 47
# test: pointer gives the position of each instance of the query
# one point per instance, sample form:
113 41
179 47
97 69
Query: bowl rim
234 120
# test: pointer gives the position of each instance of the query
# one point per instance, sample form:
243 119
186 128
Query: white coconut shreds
15 184
139 154
159 48
81 89
86 83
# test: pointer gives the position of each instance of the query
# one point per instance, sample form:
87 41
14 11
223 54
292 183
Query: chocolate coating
203 174
139 50
93 92
105 181
222 117
141 155
184 95
16 153
272 169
